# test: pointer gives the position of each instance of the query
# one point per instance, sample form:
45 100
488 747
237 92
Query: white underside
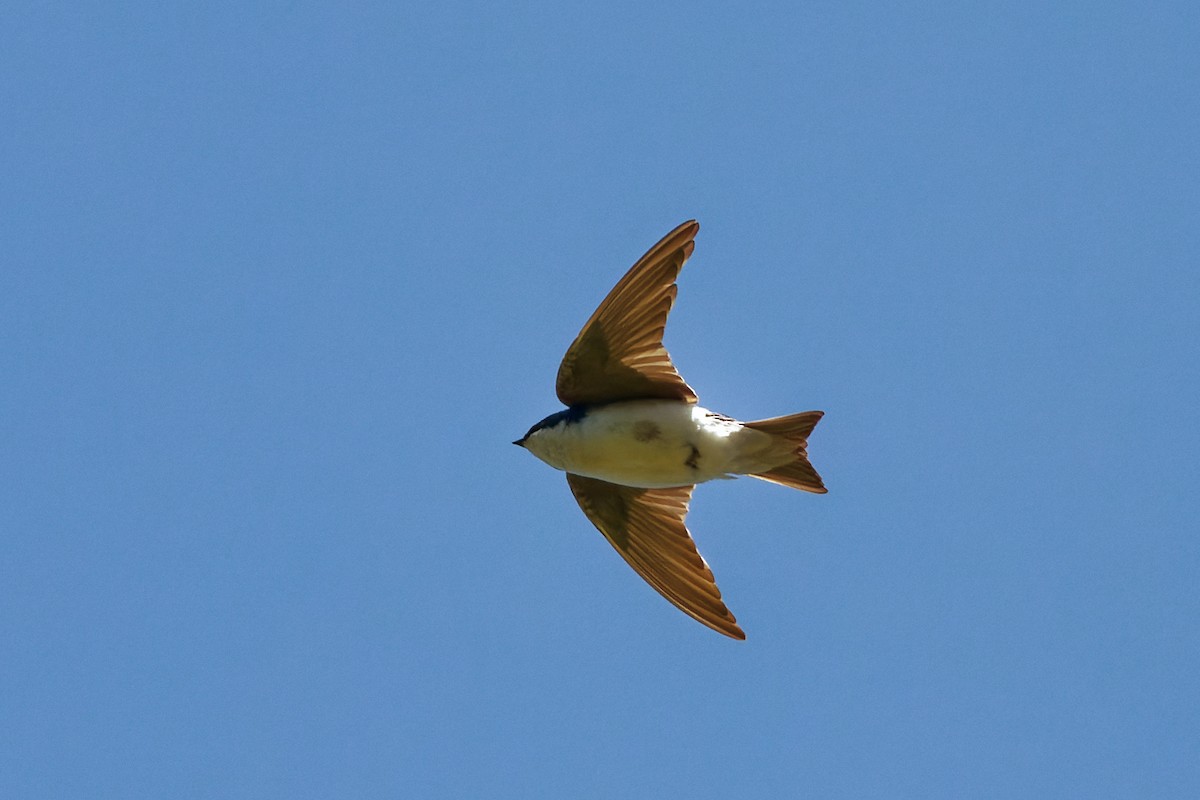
656 444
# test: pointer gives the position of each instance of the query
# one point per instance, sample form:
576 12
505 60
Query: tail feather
795 429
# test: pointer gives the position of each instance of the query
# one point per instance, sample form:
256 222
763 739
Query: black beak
519 442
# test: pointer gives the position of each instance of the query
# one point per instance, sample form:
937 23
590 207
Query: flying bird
634 442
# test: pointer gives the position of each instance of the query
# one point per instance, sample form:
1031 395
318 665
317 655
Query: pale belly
654 444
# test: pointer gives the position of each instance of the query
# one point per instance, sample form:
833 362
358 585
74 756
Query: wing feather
646 526
619 354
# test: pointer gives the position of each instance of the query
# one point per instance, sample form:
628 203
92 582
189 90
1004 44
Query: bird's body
634 443
655 444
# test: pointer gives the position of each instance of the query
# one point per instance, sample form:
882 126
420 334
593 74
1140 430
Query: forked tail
794 429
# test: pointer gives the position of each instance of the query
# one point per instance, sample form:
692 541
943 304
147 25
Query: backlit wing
619 354
646 527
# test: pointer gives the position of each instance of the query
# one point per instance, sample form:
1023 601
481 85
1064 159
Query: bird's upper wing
646 527
619 354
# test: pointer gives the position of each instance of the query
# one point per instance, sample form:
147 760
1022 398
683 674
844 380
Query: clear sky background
280 284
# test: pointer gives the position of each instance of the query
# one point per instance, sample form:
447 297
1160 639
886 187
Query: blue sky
280 284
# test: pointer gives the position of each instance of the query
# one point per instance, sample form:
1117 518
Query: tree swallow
634 442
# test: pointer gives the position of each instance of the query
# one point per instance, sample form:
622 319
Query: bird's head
544 439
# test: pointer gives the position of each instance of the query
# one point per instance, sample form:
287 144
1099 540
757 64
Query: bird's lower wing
646 526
